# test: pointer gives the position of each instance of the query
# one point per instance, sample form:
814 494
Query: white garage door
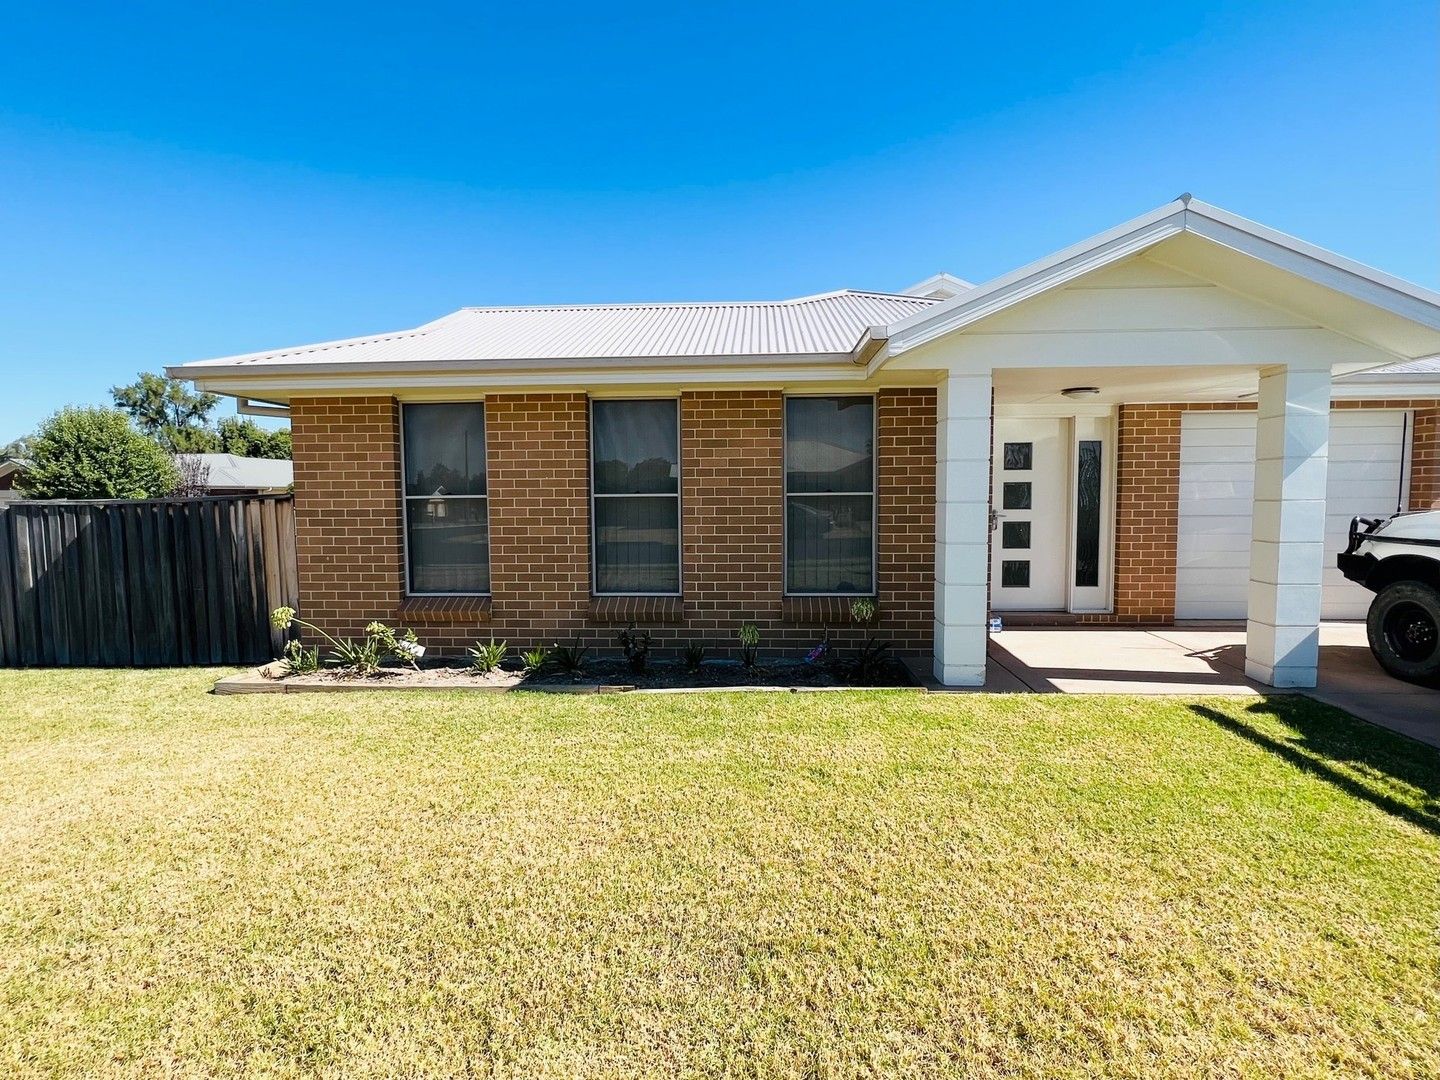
1217 481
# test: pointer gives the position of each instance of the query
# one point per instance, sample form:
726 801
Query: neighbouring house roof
227 471
13 465
826 325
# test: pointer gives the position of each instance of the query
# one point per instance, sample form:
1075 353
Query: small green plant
871 663
401 645
749 643
863 610
363 656
569 659
299 660
486 657
535 661
693 655
636 646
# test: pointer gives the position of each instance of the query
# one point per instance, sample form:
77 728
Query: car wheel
1404 630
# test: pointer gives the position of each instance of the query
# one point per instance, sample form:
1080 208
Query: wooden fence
168 582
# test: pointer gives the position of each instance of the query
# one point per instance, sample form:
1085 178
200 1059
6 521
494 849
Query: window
635 462
447 520
830 495
1087 515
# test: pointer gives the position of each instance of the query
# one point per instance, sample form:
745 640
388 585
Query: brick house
1174 419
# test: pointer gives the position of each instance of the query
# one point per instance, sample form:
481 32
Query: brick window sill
614 610
820 610
440 610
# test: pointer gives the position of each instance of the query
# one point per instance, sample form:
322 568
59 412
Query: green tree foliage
19 448
169 412
96 453
241 436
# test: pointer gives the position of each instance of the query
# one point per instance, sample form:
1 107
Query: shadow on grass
1396 774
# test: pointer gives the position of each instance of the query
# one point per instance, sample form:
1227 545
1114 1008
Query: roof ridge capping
1183 214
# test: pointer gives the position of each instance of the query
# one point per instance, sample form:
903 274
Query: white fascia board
1364 387
1110 246
364 369
1185 214
1314 263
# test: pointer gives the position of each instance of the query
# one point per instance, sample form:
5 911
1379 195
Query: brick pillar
347 510
1147 512
905 512
538 459
1425 461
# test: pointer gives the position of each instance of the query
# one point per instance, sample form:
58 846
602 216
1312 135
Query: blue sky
177 183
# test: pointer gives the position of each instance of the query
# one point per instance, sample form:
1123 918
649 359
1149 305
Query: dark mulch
672 674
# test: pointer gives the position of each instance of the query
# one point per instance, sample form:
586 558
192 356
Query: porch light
1080 391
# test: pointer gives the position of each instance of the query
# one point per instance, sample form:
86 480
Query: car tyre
1404 630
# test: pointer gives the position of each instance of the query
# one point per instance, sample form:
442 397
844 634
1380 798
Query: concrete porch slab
1203 658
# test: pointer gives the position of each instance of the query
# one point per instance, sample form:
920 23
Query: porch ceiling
1125 385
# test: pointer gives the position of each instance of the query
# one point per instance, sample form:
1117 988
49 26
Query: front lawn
756 884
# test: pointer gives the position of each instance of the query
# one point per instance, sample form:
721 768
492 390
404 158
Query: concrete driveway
1202 658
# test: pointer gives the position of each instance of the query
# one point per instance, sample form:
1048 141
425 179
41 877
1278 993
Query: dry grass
753 885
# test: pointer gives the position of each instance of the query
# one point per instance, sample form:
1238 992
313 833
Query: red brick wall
347 510
1425 460
350 542
1147 504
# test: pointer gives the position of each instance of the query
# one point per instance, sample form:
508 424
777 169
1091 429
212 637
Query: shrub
693 655
570 660
870 663
749 643
863 610
636 645
94 453
299 660
364 656
535 661
487 657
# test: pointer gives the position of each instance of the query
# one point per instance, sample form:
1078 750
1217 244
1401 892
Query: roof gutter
871 342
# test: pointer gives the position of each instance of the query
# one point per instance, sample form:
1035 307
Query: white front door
1029 549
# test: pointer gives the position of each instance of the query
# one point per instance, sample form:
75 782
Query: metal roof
1429 365
231 471
823 325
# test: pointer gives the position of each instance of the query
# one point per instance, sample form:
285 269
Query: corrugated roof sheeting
815 325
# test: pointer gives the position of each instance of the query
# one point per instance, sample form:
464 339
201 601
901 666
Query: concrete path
1202 658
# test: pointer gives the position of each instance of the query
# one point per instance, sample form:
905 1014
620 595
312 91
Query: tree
243 437
20 448
193 476
168 411
96 453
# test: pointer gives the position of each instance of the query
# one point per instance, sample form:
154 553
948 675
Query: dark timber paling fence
165 582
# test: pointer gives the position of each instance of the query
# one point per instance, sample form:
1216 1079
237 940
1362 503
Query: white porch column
1287 541
962 529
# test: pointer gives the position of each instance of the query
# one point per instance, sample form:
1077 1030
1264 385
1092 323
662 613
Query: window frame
873 494
405 499
678 496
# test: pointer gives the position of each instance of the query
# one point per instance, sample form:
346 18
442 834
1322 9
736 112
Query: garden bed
601 675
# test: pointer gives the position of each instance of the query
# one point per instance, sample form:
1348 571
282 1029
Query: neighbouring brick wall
348 510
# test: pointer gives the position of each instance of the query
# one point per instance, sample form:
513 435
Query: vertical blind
447 527
635 456
830 495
